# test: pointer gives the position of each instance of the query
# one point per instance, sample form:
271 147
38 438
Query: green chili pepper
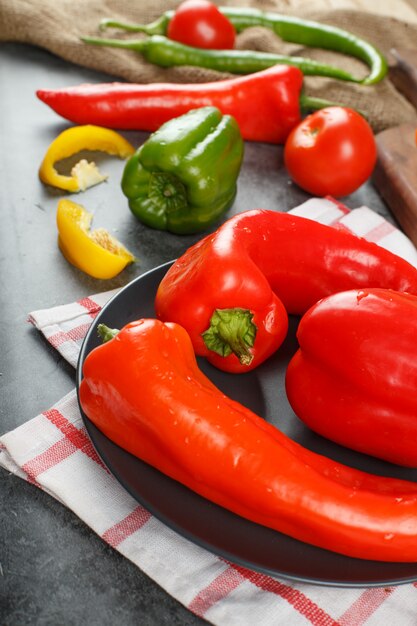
183 178
165 52
290 29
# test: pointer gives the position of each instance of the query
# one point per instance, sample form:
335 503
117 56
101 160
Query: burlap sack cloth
56 25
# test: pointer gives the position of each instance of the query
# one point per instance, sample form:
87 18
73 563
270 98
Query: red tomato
331 152
200 24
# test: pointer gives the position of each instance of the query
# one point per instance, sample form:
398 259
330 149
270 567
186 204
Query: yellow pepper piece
72 141
95 252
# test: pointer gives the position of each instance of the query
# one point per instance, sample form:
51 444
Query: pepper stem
105 333
167 192
138 44
231 331
158 27
310 103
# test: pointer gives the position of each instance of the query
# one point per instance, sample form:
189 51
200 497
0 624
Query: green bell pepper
184 177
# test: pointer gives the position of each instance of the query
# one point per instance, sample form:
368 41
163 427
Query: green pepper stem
138 45
310 103
158 27
105 333
167 192
231 331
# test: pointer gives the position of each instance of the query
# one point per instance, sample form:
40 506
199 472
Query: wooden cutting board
403 72
395 174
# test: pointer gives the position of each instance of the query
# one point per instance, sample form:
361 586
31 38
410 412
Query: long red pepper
266 105
259 257
144 391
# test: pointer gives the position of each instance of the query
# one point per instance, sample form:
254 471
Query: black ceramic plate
209 525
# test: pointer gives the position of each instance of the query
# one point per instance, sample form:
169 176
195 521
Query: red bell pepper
144 391
354 378
266 105
250 263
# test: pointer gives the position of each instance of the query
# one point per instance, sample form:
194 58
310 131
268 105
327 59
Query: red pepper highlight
258 258
144 391
354 378
266 105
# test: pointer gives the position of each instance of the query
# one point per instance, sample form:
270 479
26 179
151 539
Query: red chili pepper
144 391
354 378
266 105
256 258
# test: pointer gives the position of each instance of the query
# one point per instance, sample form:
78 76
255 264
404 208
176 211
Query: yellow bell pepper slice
96 252
74 140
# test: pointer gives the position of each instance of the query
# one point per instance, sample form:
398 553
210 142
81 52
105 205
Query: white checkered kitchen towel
53 452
